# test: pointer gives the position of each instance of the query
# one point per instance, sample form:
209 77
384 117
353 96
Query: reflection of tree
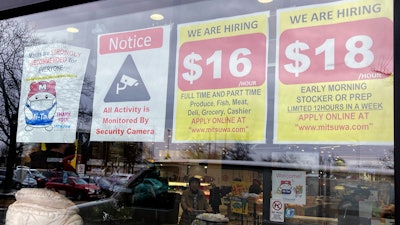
85 106
387 161
239 151
201 151
130 153
195 151
148 151
14 37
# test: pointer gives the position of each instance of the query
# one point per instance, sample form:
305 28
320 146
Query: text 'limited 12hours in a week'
334 97
327 104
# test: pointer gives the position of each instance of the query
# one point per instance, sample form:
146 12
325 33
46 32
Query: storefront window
282 109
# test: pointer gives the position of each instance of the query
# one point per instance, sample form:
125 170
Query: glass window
282 110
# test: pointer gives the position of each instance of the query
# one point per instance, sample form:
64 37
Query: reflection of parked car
122 208
15 183
120 177
105 185
54 173
27 181
120 186
29 177
74 187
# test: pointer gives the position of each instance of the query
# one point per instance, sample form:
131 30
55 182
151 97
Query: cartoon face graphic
41 105
286 187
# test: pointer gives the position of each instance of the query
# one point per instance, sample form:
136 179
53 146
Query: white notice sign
50 93
277 213
131 86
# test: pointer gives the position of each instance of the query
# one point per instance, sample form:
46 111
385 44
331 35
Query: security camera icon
125 82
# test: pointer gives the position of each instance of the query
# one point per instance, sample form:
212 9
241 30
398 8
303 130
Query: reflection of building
52 156
114 157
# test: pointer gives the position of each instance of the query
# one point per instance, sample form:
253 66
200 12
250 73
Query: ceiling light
72 29
265 1
157 16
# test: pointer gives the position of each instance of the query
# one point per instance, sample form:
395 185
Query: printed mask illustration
41 105
286 187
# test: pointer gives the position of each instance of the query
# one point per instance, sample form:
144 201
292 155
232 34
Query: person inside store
193 201
215 198
348 208
255 187
387 201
